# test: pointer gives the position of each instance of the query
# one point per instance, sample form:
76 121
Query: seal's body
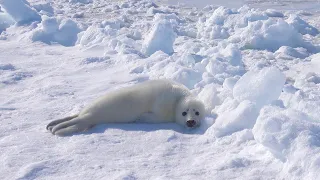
154 101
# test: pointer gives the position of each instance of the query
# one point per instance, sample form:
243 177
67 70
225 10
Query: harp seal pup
153 101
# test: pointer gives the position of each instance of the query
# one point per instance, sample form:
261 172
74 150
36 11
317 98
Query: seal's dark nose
191 123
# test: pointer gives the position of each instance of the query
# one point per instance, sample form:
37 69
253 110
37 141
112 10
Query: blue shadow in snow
146 127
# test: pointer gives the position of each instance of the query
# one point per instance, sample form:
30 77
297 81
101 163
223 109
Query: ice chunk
242 117
227 87
113 23
270 34
288 88
306 97
229 83
261 87
273 13
186 76
67 33
233 55
212 28
312 77
216 67
161 37
62 31
218 32
218 16
20 11
5 21
209 95
302 26
95 35
228 105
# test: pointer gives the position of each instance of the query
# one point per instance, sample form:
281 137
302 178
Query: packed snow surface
255 65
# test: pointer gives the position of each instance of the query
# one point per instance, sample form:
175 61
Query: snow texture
292 138
255 65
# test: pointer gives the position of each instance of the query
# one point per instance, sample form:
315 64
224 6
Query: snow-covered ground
255 68
262 4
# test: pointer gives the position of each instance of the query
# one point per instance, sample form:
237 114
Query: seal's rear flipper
78 124
53 123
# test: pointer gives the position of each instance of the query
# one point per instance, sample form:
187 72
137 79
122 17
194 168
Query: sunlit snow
255 65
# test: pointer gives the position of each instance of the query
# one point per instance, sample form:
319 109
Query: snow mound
305 96
225 60
62 31
255 29
220 54
5 21
20 11
271 35
261 87
186 76
292 138
242 117
285 52
232 54
274 13
302 26
115 23
160 38
111 33
93 35
96 34
212 28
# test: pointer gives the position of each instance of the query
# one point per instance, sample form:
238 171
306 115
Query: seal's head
190 112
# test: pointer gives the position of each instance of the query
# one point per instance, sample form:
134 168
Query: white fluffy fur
154 101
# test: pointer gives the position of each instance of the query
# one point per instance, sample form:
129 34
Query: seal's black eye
184 113
197 113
